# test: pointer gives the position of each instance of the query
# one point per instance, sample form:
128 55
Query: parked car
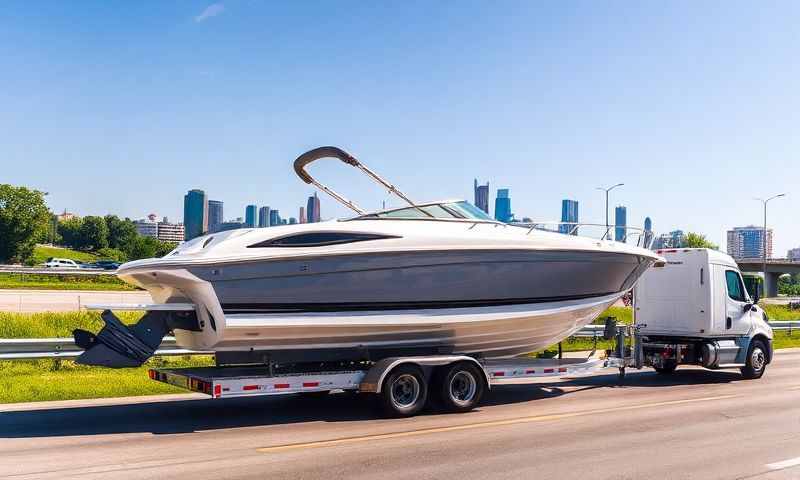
104 265
60 263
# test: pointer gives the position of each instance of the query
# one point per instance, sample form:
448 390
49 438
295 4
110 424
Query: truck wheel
756 361
460 387
667 369
404 391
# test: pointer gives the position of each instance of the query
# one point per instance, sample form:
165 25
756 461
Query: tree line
25 221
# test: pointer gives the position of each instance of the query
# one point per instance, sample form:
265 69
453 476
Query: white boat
439 277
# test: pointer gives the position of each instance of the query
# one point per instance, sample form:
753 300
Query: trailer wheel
404 391
460 387
756 361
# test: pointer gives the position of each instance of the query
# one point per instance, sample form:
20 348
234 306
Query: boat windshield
450 210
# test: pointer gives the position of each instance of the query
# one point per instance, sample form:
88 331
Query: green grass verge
42 253
41 380
62 281
54 324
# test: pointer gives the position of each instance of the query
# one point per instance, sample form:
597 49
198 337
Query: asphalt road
64 300
695 424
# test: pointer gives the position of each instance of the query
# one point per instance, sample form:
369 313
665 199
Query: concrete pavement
64 300
695 424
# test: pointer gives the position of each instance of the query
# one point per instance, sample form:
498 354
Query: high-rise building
648 225
621 224
231 225
312 209
502 206
263 217
147 227
749 242
274 218
170 232
569 217
674 239
251 216
292 221
215 216
482 196
793 255
195 214
648 232
302 215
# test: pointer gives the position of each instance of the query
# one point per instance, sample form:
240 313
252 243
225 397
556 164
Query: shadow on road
185 416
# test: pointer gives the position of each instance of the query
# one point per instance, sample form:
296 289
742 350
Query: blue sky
123 106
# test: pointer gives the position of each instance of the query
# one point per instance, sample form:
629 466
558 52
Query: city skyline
550 100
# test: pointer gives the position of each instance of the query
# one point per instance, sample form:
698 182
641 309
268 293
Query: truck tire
404 391
756 362
460 387
667 369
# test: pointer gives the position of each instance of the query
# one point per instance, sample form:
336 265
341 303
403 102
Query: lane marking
472 426
792 462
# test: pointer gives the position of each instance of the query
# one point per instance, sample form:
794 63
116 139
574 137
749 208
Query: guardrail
54 271
37 348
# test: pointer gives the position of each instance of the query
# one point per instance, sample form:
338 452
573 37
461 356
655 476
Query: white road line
792 462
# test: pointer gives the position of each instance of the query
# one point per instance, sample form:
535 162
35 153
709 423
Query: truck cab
696 310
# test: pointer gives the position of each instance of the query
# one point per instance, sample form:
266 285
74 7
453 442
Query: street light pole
764 239
608 190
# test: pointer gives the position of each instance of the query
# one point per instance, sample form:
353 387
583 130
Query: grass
40 380
62 281
42 253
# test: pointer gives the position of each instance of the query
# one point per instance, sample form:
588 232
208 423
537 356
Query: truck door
736 319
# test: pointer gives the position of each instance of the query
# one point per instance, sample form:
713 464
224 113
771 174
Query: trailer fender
373 380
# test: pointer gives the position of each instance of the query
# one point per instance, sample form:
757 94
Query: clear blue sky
123 106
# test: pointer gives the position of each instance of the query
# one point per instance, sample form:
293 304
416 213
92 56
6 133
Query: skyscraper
482 196
302 215
748 242
621 222
274 218
195 214
502 206
250 216
569 216
312 209
648 232
263 217
215 217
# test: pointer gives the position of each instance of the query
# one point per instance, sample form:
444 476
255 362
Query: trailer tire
460 387
756 362
404 391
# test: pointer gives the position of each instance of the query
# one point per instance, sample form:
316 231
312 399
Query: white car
61 263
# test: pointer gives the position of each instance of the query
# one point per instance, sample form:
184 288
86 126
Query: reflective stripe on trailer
542 368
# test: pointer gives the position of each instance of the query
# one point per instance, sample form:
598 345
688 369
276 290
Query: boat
438 277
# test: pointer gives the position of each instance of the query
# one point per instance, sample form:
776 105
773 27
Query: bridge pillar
771 284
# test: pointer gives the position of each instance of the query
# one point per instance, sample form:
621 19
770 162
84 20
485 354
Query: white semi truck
694 310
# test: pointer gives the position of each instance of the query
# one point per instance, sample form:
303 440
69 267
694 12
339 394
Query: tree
698 240
24 221
120 232
112 254
94 233
70 232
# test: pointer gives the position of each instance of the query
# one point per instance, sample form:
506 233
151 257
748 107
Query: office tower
250 216
569 217
748 242
263 217
312 209
482 196
302 215
195 214
621 224
274 218
215 216
292 221
502 206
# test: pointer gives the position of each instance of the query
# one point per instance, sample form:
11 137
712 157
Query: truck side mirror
747 307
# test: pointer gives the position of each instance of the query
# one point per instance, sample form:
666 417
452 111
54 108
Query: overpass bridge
775 268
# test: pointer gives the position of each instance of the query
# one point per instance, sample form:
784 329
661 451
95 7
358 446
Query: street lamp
764 238
608 190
